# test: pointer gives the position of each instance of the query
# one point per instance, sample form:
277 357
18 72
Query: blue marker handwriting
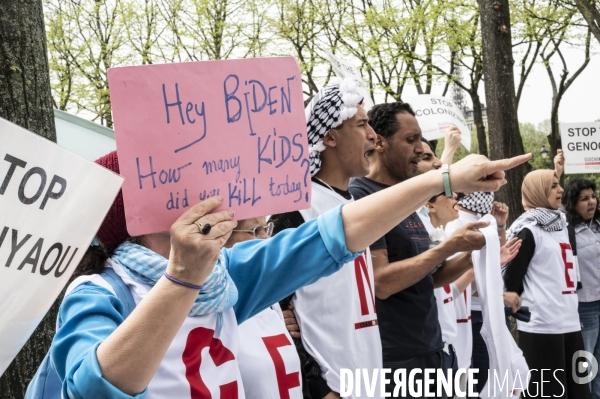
261 98
164 176
223 165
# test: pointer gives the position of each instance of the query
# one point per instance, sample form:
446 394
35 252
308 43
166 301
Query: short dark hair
382 117
424 140
571 196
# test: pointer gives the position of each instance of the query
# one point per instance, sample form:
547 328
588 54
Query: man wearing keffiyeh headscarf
340 143
338 130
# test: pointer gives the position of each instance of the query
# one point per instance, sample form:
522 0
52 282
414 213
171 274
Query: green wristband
446 176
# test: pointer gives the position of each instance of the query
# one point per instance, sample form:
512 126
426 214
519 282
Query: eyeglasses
432 199
260 231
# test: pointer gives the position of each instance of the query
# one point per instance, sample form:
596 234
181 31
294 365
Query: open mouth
369 152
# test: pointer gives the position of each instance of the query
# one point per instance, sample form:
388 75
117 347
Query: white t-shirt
443 295
268 359
446 313
550 285
336 315
464 334
201 360
464 340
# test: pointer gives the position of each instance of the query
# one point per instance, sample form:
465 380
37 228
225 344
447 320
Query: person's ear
330 138
430 207
380 143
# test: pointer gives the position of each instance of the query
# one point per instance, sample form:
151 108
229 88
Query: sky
581 103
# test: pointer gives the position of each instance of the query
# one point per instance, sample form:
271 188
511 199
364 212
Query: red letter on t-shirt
285 381
360 268
568 265
198 339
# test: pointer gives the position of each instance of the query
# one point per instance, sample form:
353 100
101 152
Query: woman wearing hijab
544 274
583 215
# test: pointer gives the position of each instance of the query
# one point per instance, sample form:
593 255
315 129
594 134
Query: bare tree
299 27
561 83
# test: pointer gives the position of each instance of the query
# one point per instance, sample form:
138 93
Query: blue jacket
264 271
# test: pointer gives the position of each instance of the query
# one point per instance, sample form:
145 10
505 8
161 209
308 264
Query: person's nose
371 135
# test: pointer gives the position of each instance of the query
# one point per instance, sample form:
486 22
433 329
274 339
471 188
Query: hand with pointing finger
477 173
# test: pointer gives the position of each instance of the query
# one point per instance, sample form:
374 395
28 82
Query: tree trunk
503 124
25 99
554 136
591 15
478 120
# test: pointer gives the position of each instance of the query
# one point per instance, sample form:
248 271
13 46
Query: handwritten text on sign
51 205
189 131
437 114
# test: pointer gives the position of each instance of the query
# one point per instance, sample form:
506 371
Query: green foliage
393 44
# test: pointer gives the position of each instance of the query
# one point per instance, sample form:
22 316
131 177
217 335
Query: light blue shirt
264 271
588 257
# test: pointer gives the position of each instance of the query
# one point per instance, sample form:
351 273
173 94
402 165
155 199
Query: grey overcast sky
581 102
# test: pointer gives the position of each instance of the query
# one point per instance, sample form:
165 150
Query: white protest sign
437 114
52 203
345 69
581 147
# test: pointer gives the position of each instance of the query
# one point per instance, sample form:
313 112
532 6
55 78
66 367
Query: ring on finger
204 228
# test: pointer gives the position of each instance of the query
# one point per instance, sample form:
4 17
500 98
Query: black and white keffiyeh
547 219
331 106
480 202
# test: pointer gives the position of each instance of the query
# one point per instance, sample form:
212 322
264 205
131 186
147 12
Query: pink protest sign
189 131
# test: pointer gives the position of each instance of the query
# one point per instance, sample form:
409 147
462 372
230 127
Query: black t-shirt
408 320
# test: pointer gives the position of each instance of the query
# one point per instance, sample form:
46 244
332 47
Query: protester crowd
377 273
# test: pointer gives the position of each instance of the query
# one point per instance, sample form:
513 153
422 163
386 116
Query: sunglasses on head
259 231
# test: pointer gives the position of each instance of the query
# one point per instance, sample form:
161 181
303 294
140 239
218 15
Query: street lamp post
544 154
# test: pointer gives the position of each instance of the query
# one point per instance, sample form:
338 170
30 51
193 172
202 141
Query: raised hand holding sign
189 131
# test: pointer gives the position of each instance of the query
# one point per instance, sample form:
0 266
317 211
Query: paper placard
189 131
52 203
581 147
345 69
437 114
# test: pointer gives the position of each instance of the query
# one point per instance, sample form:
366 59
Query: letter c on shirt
198 339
